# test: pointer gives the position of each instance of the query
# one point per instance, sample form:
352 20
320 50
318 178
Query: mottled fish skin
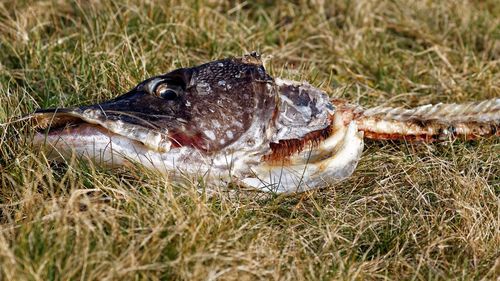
230 121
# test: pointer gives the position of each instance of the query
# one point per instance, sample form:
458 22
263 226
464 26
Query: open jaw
72 132
330 156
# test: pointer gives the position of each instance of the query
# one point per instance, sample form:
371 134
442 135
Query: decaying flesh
229 121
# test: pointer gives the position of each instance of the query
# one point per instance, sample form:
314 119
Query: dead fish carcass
229 120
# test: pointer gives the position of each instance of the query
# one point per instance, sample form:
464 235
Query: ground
410 211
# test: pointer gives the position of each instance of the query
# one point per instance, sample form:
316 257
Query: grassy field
410 211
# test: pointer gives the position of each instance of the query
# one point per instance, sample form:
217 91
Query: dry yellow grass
409 212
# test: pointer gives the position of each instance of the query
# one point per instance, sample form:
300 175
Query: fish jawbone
305 176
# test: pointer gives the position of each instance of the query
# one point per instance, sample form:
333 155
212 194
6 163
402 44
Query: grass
410 211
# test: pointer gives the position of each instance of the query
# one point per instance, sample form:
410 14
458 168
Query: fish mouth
53 123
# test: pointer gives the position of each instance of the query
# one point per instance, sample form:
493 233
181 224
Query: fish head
228 118
207 107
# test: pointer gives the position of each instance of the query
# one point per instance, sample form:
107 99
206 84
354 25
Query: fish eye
165 92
